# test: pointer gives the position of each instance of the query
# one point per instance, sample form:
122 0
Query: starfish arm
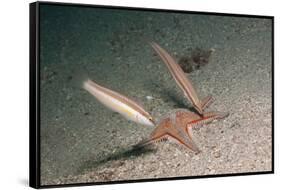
207 118
152 140
186 141
184 138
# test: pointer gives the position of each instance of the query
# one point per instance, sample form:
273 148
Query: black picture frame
34 98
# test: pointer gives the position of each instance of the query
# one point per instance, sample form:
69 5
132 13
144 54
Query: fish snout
152 121
145 120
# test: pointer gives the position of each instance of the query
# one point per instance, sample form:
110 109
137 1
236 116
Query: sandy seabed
82 141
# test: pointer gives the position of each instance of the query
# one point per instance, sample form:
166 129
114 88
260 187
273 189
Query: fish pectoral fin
206 102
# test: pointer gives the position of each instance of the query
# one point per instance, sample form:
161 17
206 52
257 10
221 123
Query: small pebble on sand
149 97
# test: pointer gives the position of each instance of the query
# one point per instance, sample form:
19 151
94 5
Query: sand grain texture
82 141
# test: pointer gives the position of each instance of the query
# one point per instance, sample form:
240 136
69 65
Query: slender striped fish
119 103
181 79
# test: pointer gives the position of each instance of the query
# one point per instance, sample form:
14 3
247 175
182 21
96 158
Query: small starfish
178 126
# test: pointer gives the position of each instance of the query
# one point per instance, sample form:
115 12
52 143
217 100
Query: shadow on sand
122 154
167 95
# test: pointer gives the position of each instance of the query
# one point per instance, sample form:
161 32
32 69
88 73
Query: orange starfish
178 126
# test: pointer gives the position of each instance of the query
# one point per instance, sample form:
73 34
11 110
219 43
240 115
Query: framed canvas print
121 94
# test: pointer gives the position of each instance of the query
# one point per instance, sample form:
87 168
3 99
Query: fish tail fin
206 102
79 77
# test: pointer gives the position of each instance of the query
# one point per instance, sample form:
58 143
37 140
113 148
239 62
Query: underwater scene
129 94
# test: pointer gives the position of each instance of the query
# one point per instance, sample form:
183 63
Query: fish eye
152 121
